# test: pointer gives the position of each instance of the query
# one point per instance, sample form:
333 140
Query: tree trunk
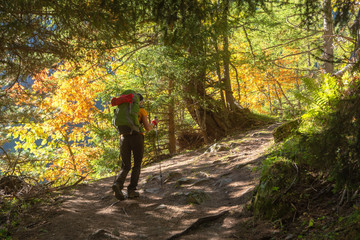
218 72
172 137
206 118
216 120
230 101
279 110
328 37
269 94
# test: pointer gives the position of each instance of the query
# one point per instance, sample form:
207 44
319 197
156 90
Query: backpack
126 114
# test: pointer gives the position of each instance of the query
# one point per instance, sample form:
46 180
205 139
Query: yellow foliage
66 105
259 88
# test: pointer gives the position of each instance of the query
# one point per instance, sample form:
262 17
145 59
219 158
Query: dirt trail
215 180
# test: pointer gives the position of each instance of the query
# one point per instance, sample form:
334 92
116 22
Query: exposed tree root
103 234
198 223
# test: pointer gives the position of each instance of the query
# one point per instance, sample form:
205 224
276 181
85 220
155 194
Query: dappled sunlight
194 188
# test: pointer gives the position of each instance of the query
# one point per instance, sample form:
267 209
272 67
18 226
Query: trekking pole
158 150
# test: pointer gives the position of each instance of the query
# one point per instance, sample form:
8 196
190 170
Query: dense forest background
205 68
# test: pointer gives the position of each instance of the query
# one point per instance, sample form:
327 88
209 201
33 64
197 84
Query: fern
319 98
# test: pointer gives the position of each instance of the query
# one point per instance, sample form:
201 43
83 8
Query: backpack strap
133 126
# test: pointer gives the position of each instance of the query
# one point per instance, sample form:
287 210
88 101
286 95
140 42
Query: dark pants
130 144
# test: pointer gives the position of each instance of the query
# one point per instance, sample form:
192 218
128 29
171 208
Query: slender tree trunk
68 145
227 82
269 94
218 72
286 98
237 81
308 48
328 37
280 112
297 84
172 137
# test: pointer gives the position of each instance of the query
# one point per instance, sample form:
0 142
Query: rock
234 145
116 232
161 206
216 148
151 178
201 182
196 197
217 162
223 181
285 130
241 165
152 190
102 234
202 175
290 236
258 134
173 175
184 181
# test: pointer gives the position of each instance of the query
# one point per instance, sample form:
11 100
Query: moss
286 130
270 201
196 197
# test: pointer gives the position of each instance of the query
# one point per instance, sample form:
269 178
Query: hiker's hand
155 121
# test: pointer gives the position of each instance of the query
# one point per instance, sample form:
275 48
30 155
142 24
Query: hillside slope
203 195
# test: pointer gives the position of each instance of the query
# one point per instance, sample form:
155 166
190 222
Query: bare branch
64 186
295 54
291 41
6 154
247 38
297 69
128 55
342 71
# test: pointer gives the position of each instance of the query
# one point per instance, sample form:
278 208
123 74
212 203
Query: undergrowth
317 163
17 198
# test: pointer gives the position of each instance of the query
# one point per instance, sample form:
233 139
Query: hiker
132 143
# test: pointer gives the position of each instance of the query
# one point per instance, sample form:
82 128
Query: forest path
210 186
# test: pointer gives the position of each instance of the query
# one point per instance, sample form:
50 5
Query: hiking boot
133 194
118 193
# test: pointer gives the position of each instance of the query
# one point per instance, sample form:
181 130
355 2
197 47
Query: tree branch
247 38
293 40
128 55
295 54
297 69
63 187
6 154
342 71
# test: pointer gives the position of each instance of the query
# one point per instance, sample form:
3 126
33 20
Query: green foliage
320 98
107 163
351 224
10 215
16 205
270 201
327 142
331 130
